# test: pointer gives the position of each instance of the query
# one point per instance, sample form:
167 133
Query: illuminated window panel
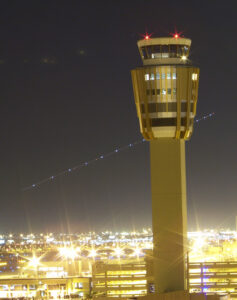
135 272
163 91
194 76
152 77
147 77
127 282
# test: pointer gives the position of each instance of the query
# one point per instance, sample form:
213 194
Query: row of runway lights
73 253
103 156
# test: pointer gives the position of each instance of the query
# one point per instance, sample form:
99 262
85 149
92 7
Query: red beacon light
176 35
146 36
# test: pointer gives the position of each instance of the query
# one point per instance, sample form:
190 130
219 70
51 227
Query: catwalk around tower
165 92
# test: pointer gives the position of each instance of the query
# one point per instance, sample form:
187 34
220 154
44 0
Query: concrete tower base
169 214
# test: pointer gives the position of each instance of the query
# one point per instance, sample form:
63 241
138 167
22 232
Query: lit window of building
120 280
147 77
78 285
194 76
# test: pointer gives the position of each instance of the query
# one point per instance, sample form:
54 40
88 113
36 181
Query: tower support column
169 213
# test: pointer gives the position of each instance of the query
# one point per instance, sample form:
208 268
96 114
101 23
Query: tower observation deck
165 88
165 91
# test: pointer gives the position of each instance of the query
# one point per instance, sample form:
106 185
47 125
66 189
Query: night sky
66 97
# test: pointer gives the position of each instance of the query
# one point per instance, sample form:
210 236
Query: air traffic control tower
166 92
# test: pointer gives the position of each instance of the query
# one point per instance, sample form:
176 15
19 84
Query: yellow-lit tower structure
166 92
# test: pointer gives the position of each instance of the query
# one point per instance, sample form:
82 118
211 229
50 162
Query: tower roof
164 41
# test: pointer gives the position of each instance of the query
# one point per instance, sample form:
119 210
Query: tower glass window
165 51
143 52
156 53
185 50
149 51
173 50
179 51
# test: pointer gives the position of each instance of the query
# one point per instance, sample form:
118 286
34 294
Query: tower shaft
169 213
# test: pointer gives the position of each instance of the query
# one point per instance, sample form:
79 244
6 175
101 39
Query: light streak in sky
99 157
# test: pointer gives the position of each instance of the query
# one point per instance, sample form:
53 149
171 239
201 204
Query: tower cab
165 88
164 50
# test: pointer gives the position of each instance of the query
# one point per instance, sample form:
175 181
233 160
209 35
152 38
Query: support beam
169 214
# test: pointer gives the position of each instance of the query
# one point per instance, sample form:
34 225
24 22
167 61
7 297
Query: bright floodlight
184 57
137 252
34 262
69 253
92 253
198 243
118 251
